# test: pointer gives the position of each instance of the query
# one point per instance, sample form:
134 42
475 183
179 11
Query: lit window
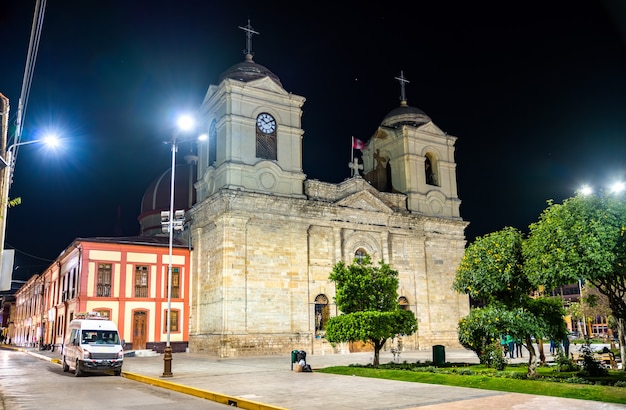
321 312
141 281
103 287
173 321
175 283
403 302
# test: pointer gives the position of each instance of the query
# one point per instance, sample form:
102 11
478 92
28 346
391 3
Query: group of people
511 347
556 346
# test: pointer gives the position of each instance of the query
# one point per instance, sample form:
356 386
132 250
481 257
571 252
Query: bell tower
255 133
409 154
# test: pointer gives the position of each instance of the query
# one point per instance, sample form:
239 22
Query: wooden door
139 330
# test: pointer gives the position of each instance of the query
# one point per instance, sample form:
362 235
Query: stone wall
261 260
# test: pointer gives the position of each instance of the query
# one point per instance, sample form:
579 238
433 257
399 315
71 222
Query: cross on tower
402 79
355 166
249 33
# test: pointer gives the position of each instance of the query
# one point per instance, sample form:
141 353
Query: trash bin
439 355
294 356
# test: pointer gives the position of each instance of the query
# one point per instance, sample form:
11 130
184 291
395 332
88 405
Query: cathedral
264 238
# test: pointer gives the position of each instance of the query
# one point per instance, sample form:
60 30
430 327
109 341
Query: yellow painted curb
204 394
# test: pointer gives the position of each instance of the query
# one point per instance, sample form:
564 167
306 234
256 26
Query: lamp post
184 123
8 162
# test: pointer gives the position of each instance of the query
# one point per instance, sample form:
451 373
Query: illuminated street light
586 190
48 140
175 220
617 187
8 163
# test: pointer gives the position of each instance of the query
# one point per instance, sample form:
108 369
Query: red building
122 278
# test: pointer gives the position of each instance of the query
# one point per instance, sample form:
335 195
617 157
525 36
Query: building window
322 312
73 283
104 280
173 321
103 313
431 174
141 281
403 302
175 283
212 145
360 255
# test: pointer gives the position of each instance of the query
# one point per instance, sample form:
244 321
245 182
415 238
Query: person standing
566 345
511 344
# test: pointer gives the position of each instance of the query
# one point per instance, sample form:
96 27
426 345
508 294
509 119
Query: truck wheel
78 372
66 367
117 372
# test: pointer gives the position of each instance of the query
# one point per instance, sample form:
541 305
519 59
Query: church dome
248 70
157 197
405 115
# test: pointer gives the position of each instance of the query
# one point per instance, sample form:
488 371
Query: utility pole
5 173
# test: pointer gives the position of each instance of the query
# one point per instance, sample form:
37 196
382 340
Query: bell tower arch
411 155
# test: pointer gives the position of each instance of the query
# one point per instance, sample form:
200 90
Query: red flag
357 144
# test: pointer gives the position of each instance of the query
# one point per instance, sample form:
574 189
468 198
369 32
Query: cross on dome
249 33
402 79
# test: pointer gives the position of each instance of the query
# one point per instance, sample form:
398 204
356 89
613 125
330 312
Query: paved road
29 383
268 383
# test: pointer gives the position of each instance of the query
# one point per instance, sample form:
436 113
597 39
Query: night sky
534 91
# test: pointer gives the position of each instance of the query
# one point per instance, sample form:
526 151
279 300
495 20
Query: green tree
367 297
582 238
492 272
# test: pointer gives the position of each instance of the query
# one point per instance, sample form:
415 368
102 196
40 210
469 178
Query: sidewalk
267 382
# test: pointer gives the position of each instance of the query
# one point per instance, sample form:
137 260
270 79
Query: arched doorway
322 313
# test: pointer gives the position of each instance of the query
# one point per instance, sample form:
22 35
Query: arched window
403 302
359 255
322 313
212 143
431 172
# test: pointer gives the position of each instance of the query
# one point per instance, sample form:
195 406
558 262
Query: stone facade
261 260
265 239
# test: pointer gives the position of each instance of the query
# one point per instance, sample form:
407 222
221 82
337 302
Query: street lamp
8 163
175 219
615 188
9 160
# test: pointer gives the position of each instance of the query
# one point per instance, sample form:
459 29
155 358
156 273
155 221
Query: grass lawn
549 382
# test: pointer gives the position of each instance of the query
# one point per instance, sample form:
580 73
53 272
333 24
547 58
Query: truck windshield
101 337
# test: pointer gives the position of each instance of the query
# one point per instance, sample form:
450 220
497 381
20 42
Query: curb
204 394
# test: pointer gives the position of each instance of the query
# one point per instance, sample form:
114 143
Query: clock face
266 123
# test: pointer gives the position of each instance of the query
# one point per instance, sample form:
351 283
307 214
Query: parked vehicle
92 345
